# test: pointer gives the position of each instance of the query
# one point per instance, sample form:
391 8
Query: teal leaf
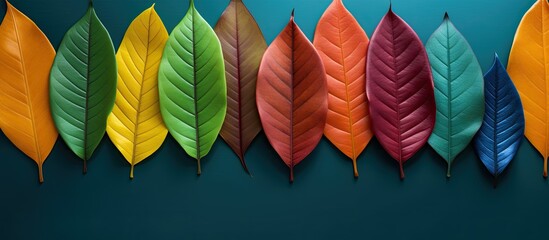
83 85
192 87
459 91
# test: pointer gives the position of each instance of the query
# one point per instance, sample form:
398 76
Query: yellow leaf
26 56
529 69
135 125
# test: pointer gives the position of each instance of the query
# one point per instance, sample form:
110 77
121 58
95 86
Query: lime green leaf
83 85
191 81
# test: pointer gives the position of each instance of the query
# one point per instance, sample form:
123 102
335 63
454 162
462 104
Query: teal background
166 200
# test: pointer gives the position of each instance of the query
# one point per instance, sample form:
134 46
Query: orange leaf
528 69
342 44
26 56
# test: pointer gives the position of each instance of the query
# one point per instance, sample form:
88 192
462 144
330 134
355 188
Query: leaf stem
355 169
85 167
131 172
291 174
448 175
401 170
40 174
199 168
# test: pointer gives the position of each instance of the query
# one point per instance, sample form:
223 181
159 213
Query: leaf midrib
396 92
238 77
292 163
346 80
27 95
138 110
195 85
449 89
496 123
86 110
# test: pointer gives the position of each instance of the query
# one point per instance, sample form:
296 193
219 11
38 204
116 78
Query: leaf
459 91
243 46
83 85
135 125
292 95
528 69
342 44
26 56
399 88
500 135
191 81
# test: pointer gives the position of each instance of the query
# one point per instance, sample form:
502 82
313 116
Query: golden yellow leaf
528 67
26 56
135 125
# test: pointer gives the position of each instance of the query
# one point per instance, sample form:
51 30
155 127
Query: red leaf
243 46
400 89
292 95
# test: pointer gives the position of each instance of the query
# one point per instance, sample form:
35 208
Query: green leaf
459 91
192 87
83 85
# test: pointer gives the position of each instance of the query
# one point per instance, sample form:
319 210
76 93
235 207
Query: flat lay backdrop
167 200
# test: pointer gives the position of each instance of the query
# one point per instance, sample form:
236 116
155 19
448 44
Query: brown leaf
243 46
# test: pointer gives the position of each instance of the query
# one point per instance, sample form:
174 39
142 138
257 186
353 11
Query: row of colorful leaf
199 82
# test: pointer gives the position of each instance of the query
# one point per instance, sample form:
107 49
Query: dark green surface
166 200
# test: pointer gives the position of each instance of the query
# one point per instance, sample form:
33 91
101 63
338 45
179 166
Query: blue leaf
502 129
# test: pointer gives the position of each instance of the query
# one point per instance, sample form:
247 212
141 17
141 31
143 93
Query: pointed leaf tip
8 5
496 56
293 13
446 17
390 12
